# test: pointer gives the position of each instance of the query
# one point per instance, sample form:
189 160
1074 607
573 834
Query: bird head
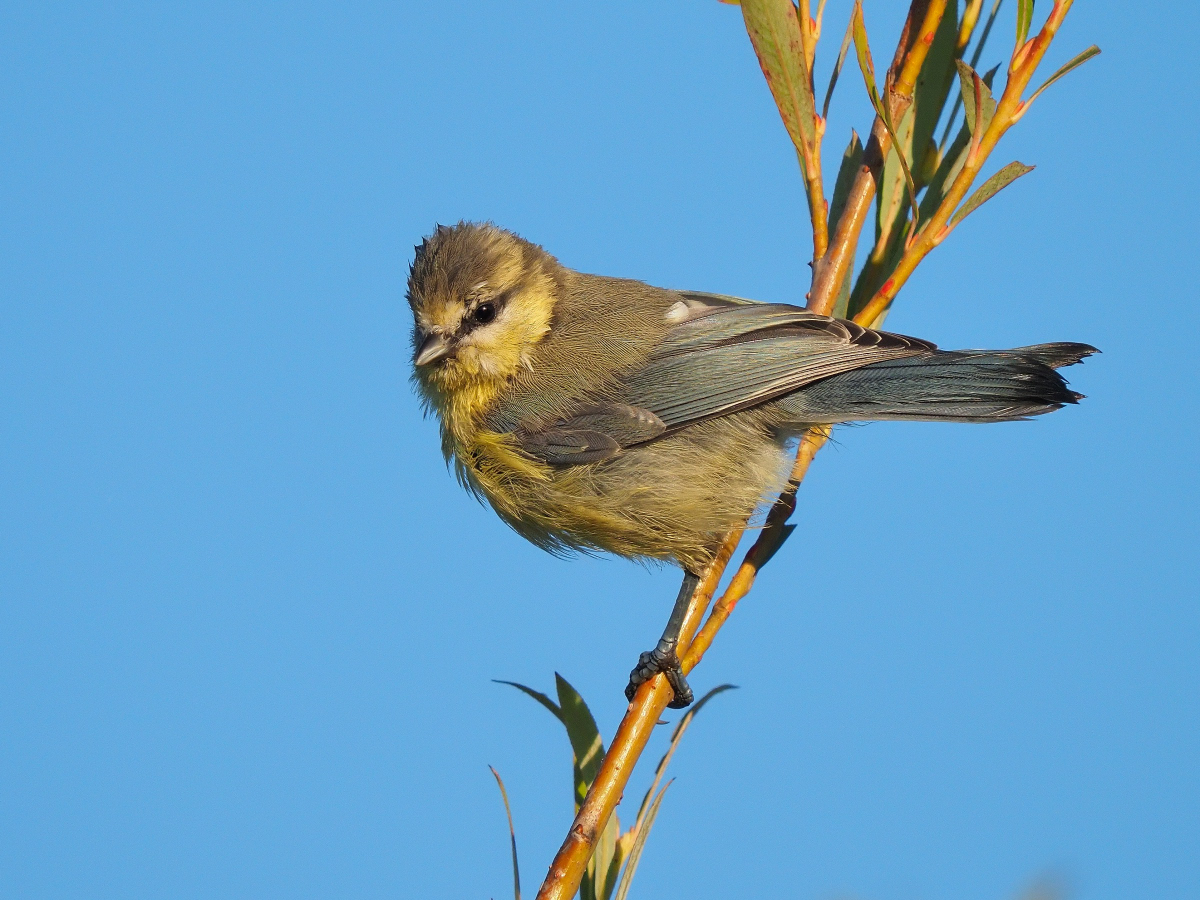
482 299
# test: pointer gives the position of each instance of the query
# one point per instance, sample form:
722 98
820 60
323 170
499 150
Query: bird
600 414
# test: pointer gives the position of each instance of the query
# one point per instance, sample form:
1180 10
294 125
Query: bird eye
484 313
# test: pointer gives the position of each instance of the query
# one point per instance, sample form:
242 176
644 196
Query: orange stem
651 699
1008 110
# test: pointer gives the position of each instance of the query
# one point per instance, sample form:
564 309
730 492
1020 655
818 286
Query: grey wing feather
735 357
725 355
593 433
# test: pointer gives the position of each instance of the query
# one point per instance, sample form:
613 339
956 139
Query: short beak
433 348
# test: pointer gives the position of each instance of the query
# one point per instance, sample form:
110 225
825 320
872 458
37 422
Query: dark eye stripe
472 319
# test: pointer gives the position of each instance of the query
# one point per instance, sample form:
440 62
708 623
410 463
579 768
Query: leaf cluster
610 871
919 186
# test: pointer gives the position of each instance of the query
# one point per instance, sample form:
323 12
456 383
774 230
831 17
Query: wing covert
737 355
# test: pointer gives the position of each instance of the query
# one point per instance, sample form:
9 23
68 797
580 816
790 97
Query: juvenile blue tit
603 414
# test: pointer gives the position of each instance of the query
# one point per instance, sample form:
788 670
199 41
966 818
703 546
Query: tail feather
1058 354
957 386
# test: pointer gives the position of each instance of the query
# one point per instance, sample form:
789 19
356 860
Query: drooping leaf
512 835
1024 20
847 171
639 844
972 84
837 69
1073 63
536 695
586 744
989 189
774 29
966 28
863 51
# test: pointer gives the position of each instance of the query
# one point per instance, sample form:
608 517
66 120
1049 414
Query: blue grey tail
941 386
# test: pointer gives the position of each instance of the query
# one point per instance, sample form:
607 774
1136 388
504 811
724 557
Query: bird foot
661 659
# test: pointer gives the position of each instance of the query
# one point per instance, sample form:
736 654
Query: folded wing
725 355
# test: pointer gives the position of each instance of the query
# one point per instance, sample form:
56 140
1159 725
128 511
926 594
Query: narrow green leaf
512 836
697 706
617 857
676 737
863 50
536 695
837 69
893 190
639 844
1024 20
841 303
933 86
987 30
967 79
858 30
847 171
951 163
774 29
1074 63
989 189
586 744
601 875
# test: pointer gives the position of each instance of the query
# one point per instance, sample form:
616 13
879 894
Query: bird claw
664 659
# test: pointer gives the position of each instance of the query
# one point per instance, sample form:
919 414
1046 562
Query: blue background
248 622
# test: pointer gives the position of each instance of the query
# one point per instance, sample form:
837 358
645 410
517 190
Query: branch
774 533
566 871
832 269
1009 109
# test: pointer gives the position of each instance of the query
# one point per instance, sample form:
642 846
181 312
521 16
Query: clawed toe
664 659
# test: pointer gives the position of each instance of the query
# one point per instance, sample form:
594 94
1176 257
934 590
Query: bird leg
663 658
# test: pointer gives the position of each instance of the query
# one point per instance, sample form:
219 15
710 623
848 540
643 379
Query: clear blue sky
248 622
